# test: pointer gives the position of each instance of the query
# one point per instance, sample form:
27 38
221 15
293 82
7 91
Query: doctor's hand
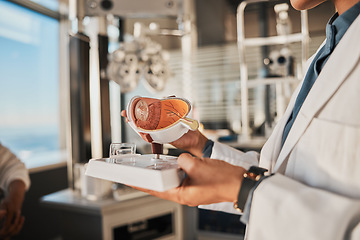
192 141
11 220
208 181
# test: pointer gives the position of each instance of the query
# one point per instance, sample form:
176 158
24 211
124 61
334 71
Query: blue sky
29 61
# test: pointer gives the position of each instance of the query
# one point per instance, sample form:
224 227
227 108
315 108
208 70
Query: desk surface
70 200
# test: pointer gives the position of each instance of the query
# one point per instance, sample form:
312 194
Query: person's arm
235 157
11 168
12 205
14 180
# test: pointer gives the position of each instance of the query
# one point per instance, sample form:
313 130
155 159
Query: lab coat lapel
335 71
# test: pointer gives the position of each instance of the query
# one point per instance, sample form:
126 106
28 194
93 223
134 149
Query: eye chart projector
157 121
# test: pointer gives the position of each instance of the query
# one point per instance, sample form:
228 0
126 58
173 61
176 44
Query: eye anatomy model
160 120
155 114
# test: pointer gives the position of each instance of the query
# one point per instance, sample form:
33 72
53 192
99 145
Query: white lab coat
315 192
11 168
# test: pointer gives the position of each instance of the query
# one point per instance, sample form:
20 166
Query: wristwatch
251 177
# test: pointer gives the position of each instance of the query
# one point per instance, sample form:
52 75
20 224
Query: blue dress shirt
335 30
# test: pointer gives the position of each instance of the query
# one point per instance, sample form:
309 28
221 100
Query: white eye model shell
164 135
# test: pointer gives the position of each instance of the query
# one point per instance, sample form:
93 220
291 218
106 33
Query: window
51 4
29 85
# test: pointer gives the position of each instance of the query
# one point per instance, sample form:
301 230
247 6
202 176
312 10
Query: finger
142 189
124 114
2 233
16 222
151 192
21 224
2 214
146 137
11 229
9 219
171 194
18 226
2 220
17 217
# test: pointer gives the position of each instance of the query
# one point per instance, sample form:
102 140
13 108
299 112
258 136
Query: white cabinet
147 216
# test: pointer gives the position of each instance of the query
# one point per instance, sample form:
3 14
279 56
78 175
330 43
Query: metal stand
243 42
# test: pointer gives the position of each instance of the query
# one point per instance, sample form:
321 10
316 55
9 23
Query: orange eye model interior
153 114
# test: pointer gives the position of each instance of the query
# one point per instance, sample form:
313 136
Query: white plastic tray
138 170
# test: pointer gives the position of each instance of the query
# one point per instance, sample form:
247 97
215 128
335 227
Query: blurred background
68 68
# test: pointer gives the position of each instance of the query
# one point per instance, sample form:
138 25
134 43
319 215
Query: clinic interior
194 47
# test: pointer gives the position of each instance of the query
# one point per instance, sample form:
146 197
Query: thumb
188 163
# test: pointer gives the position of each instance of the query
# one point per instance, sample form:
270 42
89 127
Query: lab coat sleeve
235 157
283 208
11 168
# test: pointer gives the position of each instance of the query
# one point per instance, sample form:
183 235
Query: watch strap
251 178
245 189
